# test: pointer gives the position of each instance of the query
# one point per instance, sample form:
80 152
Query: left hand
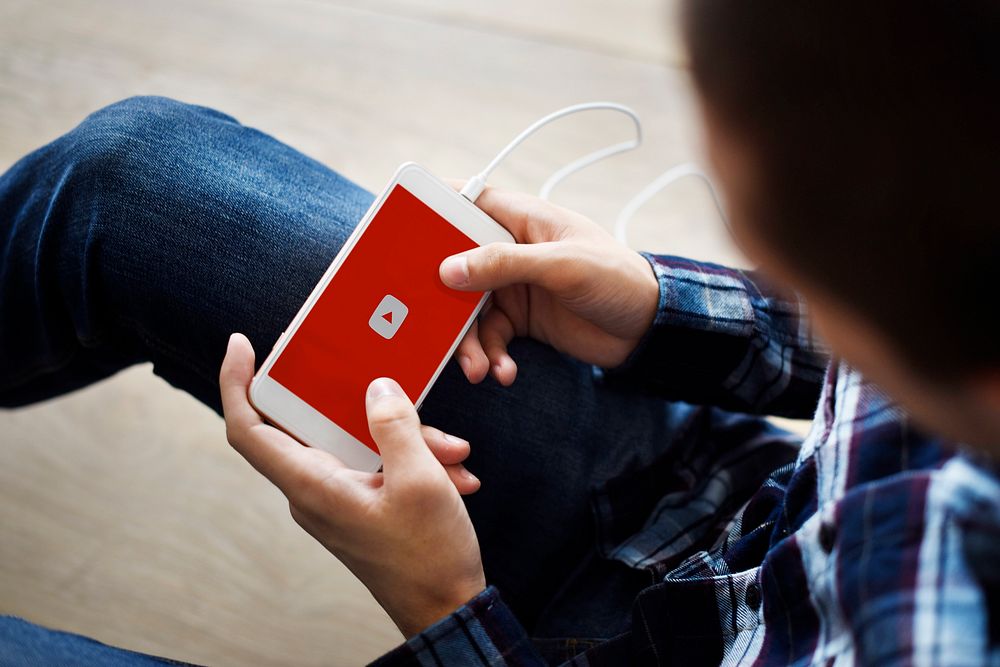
403 532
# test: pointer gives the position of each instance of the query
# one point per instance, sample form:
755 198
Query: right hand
566 282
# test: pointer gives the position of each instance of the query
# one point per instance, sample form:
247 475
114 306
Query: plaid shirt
871 543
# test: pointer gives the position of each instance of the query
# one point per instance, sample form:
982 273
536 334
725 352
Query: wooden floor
124 514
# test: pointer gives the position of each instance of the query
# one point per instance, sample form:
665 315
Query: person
630 504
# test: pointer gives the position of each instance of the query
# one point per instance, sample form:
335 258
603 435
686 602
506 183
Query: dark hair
874 132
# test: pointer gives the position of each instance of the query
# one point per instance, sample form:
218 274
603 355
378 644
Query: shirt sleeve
725 337
483 631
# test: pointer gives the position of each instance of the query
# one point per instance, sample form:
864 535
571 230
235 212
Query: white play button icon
388 316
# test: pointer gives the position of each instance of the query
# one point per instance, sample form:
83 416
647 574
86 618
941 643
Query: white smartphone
380 310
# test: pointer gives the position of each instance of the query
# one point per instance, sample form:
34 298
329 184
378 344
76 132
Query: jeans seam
38 371
167 350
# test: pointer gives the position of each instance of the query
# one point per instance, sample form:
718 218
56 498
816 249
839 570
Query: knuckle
572 266
299 516
467 346
390 414
496 260
430 433
234 435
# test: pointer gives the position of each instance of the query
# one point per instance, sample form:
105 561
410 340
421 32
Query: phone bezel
295 416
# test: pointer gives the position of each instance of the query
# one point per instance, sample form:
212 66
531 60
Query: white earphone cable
475 186
664 180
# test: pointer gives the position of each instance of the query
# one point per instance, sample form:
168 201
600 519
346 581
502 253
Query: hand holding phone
404 531
567 282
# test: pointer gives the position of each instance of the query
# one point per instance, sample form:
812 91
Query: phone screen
384 313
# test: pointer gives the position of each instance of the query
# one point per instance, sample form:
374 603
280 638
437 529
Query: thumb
234 378
395 427
501 264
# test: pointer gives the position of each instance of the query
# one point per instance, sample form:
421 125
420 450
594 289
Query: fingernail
230 343
455 270
496 371
469 476
384 387
463 362
454 439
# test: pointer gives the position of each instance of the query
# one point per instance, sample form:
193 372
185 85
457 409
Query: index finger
277 456
521 214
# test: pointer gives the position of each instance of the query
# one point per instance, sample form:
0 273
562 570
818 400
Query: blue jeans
155 229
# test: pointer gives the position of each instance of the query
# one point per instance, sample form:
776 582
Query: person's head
859 148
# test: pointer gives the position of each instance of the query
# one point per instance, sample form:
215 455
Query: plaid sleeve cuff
723 337
694 296
483 631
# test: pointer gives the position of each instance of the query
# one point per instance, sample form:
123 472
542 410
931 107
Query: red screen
337 351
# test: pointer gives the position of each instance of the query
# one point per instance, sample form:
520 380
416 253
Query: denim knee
136 122
134 148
